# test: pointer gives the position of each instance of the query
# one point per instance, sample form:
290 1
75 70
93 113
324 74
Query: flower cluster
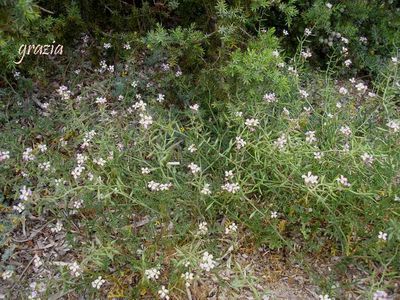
207 262
64 92
155 186
152 274
97 283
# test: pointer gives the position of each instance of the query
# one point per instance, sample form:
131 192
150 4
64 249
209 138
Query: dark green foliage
224 24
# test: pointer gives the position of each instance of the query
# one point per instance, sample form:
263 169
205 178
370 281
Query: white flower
239 114
394 126
203 229
345 130
328 5
382 236
396 198
318 155
188 277
160 97
206 189
99 161
64 92
25 193
192 148
324 297
361 87
231 228
178 73
367 158
42 147
194 107
240 143
7 274
152 274
307 31
285 32
140 105
344 40
286 112
343 91
229 174
306 54
338 105
44 166
343 181
207 263
145 120
77 203
270 97
303 94
98 282
145 170
19 208
58 227
80 158
310 179
63 142
395 60
101 100
281 142
381 295
347 62
75 269
274 215
107 45
310 137
194 168
252 123
127 46
163 293
77 171
165 67
37 262
4 155
231 187
27 154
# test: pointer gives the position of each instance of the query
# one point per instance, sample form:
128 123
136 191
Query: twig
189 294
45 10
23 272
33 234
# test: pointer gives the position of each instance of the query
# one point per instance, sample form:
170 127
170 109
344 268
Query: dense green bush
369 30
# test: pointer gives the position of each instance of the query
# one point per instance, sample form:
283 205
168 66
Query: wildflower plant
152 173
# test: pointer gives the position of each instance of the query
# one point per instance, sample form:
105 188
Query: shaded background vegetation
227 25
